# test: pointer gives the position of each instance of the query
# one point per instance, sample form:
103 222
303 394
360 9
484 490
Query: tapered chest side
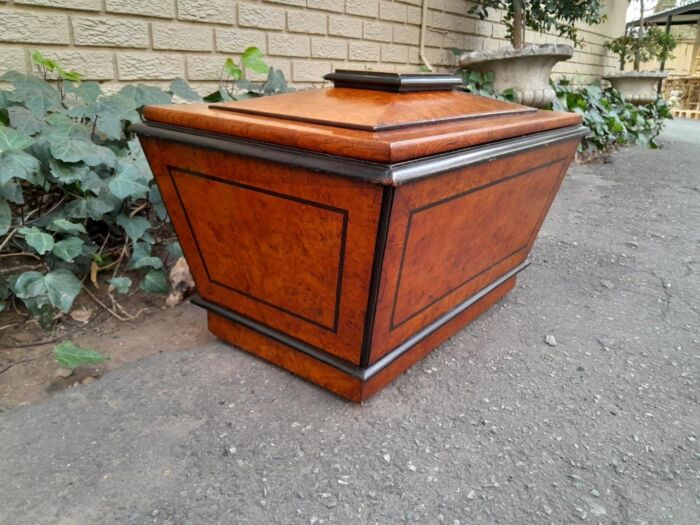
344 233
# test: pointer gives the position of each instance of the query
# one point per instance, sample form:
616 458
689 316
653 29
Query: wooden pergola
686 14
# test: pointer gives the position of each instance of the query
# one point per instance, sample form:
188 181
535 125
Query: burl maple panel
347 270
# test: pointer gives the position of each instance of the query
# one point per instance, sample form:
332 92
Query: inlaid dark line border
343 241
362 373
377 262
392 324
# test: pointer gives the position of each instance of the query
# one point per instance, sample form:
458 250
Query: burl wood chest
343 233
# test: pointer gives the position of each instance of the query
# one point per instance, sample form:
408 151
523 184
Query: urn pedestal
525 70
637 87
343 233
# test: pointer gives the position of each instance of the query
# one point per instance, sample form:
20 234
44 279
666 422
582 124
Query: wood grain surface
451 235
340 264
374 110
330 378
286 357
385 146
287 247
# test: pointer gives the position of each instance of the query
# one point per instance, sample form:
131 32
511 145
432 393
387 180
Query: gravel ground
496 426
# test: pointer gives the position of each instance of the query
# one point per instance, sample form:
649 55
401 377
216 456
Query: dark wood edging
378 173
361 373
396 82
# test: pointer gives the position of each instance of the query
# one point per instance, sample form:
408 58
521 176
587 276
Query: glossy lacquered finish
459 121
344 280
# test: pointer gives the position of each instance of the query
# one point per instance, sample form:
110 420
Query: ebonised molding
363 373
386 174
395 82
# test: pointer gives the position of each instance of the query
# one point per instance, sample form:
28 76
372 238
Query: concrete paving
496 426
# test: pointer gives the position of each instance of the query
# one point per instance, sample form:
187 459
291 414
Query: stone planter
524 70
638 87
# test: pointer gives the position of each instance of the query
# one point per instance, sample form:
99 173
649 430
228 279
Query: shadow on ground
494 427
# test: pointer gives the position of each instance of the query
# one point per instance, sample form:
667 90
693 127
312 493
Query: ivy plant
77 197
233 84
482 84
611 121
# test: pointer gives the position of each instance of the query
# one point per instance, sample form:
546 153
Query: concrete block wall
153 41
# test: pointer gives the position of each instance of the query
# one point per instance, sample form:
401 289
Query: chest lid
383 117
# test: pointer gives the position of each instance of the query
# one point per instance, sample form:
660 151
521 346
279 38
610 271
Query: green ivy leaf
37 95
92 182
64 225
62 126
68 172
276 83
144 262
232 69
68 248
4 292
252 59
13 140
41 60
5 216
180 88
154 282
112 112
174 250
41 241
93 207
29 284
127 182
69 149
62 287
156 200
220 95
134 227
12 191
143 95
41 310
24 120
70 355
18 164
141 250
86 91
120 284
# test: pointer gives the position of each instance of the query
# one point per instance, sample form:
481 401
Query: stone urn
524 70
638 87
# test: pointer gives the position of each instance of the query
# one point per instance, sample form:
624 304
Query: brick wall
156 40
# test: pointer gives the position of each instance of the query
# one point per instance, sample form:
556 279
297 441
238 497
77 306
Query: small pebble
549 339
63 372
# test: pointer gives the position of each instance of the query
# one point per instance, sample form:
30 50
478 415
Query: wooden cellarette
343 233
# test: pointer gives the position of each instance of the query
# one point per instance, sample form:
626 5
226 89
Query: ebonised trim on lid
394 174
394 82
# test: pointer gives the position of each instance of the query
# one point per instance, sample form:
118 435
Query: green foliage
612 121
644 45
482 84
233 84
70 355
546 15
76 192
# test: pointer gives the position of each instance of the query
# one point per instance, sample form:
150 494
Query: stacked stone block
120 41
